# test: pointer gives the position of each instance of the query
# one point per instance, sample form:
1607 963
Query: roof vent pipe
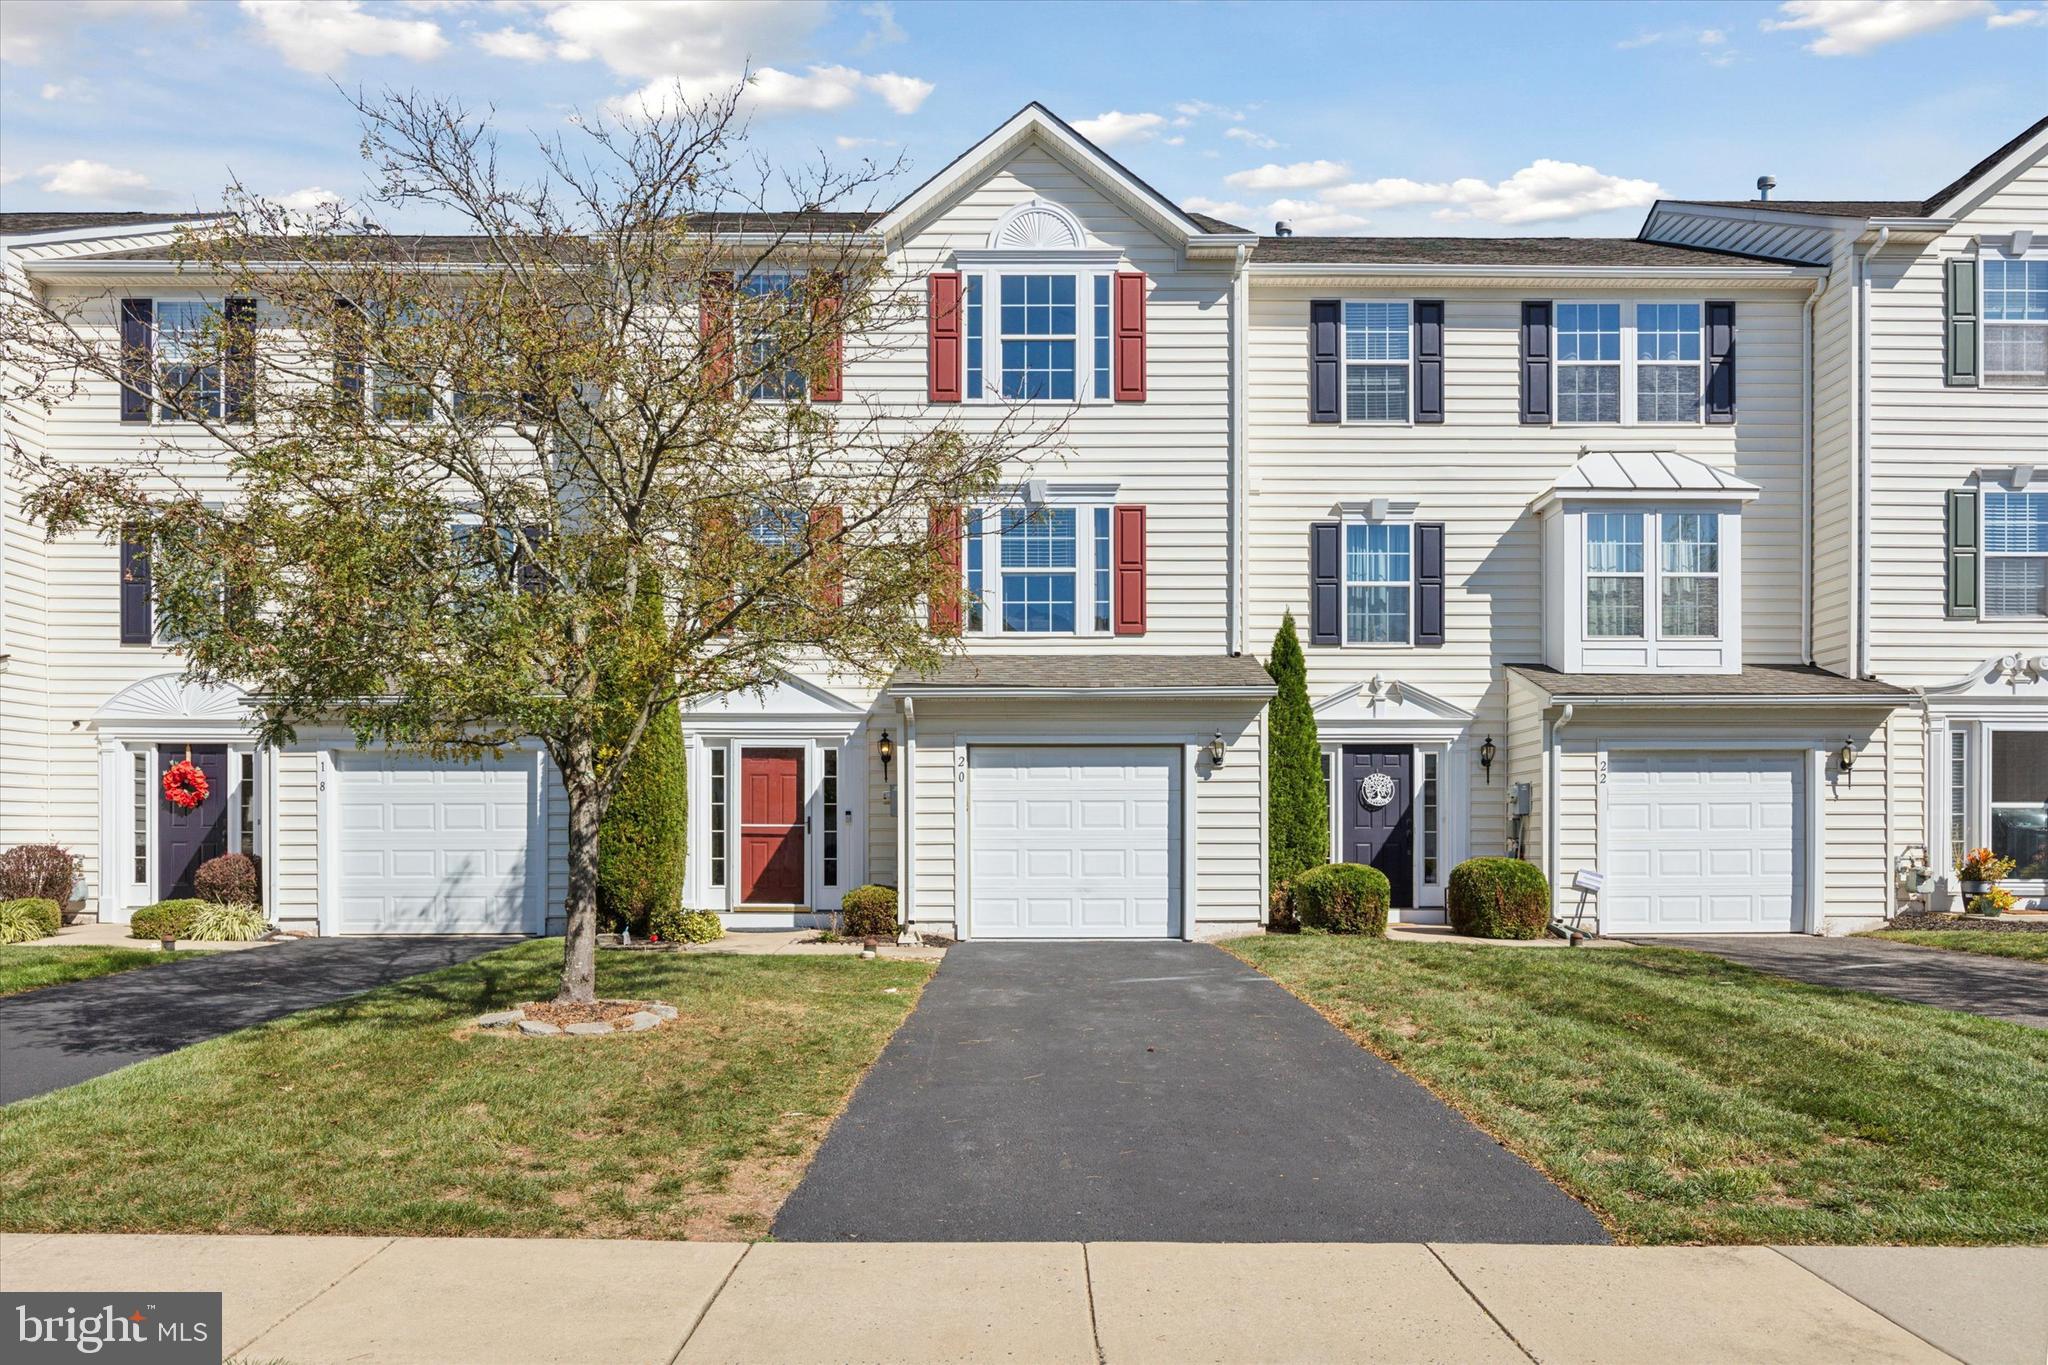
1764 185
1283 229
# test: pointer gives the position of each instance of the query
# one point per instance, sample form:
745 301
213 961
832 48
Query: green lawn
2027 947
387 1114
29 969
1687 1099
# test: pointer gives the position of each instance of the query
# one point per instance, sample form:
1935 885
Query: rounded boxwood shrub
1341 898
673 924
38 872
28 917
230 879
165 919
1498 898
868 912
216 923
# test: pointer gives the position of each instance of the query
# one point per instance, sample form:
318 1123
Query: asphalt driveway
66 1034
1997 988
1151 1092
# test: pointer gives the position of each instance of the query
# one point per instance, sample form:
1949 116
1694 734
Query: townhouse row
1712 561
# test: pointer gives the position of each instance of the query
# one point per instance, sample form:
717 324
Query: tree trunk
579 945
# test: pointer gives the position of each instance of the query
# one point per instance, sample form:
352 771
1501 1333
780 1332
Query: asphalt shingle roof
1621 252
24 224
1108 670
1797 682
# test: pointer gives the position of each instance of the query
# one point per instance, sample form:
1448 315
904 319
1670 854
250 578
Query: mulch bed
1977 924
599 1012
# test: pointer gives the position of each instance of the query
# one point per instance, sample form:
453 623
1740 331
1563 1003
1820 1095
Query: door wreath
184 785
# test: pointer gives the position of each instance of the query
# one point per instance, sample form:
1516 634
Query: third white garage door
1704 844
1074 842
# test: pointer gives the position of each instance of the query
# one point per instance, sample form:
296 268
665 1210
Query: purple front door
1377 798
187 838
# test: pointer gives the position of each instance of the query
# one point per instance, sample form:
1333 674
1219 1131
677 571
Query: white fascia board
1719 699
1762 209
938 693
1749 276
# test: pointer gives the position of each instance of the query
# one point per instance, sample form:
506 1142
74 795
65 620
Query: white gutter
1810 423
1859 529
1252 693
1235 624
1777 274
1550 811
1711 699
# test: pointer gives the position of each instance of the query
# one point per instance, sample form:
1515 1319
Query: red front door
771 827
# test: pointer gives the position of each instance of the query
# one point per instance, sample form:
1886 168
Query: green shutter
1962 323
1961 598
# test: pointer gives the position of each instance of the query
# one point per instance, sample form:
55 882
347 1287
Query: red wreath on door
184 785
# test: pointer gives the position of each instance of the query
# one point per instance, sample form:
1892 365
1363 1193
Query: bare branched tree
413 484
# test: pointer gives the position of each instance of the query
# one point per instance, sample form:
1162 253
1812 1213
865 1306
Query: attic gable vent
1037 226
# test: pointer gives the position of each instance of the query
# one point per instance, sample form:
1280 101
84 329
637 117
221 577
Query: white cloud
307 200
97 180
854 144
1850 28
820 89
902 93
321 35
34 29
701 40
1194 109
1314 216
1543 191
1246 135
883 29
1175 141
2036 15
514 44
1710 43
8 177
1217 208
1116 126
1300 175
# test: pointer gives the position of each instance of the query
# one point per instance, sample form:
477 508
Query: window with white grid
2015 553
2015 321
1377 357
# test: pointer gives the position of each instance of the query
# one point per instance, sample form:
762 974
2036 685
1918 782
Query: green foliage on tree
1298 835
643 838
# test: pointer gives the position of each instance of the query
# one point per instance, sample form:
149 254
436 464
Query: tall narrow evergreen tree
1299 835
644 834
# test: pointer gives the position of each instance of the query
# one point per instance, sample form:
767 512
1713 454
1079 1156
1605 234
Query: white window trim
1344 583
1083 267
1084 571
1627 364
1985 555
214 307
743 342
1985 322
1344 363
1653 576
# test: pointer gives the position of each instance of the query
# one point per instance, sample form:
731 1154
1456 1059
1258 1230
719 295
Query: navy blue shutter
239 383
1536 352
135 620
348 352
137 349
1325 360
1720 363
529 571
1326 583
1429 360
1429 582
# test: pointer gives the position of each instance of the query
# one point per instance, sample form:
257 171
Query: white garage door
433 848
1079 842
1704 844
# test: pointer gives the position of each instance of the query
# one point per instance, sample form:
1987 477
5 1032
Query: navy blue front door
1377 799
187 838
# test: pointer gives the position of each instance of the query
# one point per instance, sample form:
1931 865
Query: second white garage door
434 848
1079 842
1704 844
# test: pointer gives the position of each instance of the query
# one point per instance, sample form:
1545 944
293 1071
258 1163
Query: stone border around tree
515 1022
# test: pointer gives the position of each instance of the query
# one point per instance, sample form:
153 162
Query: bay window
1690 575
1687 571
2015 321
1378 583
2015 553
1377 357
1614 575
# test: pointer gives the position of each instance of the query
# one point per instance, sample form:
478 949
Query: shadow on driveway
62 1035
1152 1092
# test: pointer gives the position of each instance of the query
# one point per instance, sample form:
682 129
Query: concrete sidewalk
308 1300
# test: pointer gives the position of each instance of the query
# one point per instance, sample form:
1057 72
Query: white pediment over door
786 696
1383 706
170 697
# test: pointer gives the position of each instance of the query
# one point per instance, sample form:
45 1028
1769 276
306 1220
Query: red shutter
1127 564
825 526
1129 300
714 327
944 337
830 387
946 593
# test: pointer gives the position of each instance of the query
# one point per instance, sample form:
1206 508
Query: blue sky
1472 118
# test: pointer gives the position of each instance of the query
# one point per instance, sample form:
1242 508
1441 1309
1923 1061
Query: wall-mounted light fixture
885 749
1846 755
1217 750
1486 753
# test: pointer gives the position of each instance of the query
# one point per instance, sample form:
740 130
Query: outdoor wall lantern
1846 756
1216 749
1486 753
885 749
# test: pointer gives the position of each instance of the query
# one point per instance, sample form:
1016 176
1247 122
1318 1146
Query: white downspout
1864 481
906 839
1810 422
1550 811
1236 611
